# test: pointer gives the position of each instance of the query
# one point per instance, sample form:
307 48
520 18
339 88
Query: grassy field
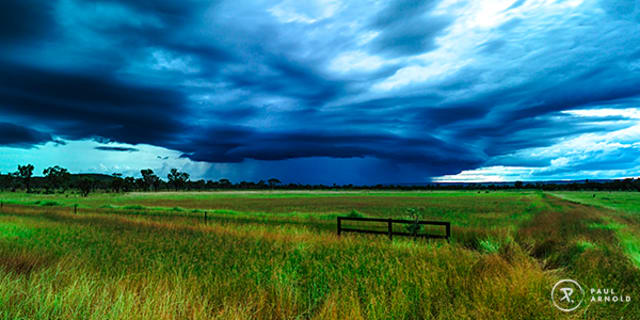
624 220
275 255
621 201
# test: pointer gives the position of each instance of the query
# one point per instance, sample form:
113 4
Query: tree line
56 179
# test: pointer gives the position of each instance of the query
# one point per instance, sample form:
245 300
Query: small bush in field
415 215
355 214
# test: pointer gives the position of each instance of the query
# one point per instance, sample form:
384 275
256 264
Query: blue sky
323 91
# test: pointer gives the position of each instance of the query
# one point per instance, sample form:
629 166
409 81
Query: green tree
178 179
25 173
85 185
56 177
6 181
117 183
128 184
13 180
150 179
273 182
224 183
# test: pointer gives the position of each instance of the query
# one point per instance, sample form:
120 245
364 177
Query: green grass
276 256
624 221
617 200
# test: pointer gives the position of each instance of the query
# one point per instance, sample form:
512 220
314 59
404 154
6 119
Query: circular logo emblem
567 295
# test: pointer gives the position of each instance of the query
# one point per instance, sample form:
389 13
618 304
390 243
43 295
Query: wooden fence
390 233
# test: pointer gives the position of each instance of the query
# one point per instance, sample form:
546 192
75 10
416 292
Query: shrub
355 214
415 215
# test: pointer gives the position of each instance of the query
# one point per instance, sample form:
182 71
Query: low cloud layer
18 136
421 88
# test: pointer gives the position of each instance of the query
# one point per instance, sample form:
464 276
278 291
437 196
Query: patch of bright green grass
627 205
49 203
489 245
584 245
13 230
606 225
619 200
631 245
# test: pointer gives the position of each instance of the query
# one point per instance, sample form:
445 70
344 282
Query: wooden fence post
390 229
205 217
448 226
75 209
339 225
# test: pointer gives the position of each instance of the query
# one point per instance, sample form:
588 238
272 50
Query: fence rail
390 233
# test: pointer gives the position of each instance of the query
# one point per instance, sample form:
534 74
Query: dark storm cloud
120 149
18 136
22 20
232 81
291 79
78 106
242 143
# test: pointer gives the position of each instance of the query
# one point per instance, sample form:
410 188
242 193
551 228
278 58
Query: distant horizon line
454 182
